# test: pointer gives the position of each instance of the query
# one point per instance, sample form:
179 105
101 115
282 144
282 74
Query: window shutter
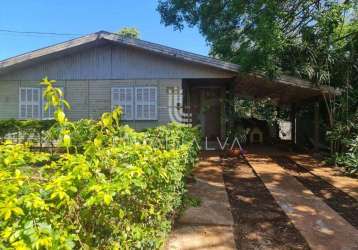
23 99
123 97
29 103
146 103
36 95
139 103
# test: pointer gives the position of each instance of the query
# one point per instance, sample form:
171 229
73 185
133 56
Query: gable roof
114 38
259 86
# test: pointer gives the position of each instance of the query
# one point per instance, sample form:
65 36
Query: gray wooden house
154 84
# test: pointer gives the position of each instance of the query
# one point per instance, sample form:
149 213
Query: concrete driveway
268 200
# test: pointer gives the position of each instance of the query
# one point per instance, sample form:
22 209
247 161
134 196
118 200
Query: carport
285 92
288 92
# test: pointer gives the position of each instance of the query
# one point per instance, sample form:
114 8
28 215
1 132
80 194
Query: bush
114 194
80 132
344 143
348 157
171 136
348 161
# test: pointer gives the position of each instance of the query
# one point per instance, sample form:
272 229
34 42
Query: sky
84 17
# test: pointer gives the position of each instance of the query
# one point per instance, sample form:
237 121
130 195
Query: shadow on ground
260 223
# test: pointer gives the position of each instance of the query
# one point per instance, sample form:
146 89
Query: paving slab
320 225
196 237
210 225
333 176
214 207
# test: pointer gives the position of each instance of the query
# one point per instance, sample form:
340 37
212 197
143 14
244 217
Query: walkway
210 225
269 200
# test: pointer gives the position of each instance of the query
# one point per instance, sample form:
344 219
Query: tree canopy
300 37
129 32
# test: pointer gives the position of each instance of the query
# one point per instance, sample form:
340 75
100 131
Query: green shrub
80 132
348 161
171 136
344 143
348 158
114 193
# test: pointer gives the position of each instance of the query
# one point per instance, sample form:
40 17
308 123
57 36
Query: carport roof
282 90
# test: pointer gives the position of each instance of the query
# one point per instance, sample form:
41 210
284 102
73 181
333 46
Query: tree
273 36
129 32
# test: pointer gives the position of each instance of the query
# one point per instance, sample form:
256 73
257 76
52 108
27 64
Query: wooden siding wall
9 99
89 98
88 76
115 62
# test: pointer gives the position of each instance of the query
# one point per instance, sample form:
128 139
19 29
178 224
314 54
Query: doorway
206 110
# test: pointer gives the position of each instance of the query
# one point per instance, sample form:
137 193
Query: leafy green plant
105 192
348 161
344 143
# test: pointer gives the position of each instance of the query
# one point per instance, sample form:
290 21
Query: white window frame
148 103
123 104
41 104
32 103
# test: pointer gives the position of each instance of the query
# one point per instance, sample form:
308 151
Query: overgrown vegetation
344 134
112 189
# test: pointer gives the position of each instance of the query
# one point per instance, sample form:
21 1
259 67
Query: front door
206 110
211 109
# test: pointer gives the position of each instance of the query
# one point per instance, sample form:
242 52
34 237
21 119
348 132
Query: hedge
118 191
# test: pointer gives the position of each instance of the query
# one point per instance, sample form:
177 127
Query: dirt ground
260 223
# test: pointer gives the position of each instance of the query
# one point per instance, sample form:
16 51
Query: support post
277 125
222 111
293 123
316 127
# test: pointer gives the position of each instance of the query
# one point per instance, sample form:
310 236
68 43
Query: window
29 103
146 103
123 97
139 103
32 104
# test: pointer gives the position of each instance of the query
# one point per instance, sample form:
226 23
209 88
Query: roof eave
48 50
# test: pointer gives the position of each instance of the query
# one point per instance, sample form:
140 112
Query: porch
205 102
